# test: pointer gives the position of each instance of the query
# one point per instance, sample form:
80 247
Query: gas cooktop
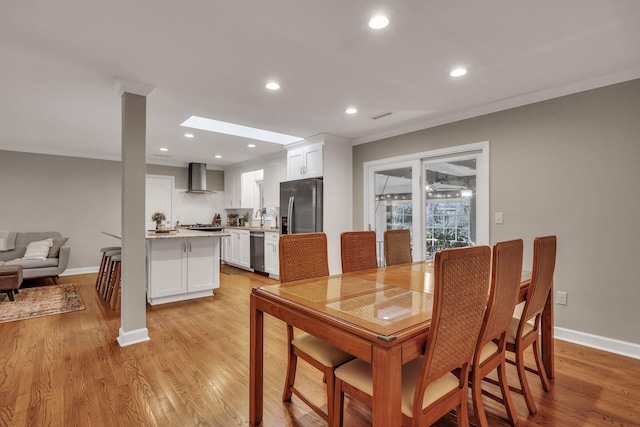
202 227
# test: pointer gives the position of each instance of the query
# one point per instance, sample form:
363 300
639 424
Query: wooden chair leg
330 380
99 278
506 395
114 283
476 395
338 403
522 376
107 282
462 412
292 363
115 287
541 371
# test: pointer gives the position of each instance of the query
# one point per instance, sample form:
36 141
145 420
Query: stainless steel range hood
198 179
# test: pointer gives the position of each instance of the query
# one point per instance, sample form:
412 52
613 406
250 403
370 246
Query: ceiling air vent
381 115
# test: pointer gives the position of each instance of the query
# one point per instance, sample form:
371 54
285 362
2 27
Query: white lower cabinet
272 254
226 247
182 268
236 248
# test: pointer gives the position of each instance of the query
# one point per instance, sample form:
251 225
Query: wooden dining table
381 316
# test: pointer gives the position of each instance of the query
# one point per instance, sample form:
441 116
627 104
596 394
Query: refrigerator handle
290 216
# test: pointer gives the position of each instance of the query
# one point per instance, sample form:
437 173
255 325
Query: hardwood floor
68 370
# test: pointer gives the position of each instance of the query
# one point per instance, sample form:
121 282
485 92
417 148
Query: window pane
450 205
393 203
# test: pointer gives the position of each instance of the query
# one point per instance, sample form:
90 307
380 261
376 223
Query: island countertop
182 233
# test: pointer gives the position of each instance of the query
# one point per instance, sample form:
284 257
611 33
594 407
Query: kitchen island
182 265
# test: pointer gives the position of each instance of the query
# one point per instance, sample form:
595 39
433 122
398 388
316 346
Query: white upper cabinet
305 161
241 189
232 189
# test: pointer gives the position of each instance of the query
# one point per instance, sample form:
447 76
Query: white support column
133 328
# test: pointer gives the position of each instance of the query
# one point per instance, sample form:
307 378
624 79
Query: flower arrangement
158 217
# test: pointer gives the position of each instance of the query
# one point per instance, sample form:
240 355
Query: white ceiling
212 58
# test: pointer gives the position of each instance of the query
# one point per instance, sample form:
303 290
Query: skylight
239 130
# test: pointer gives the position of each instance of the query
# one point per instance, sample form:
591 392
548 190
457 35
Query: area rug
231 270
40 301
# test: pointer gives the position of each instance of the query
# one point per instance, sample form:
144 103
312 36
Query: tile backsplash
189 208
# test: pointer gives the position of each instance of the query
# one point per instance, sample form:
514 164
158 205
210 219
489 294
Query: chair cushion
489 349
321 350
358 374
38 249
513 330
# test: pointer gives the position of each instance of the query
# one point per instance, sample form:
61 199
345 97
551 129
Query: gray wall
78 197
568 166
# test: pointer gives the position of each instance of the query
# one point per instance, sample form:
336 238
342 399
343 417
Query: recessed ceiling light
251 145
458 72
273 86
218 156
378 22
239 130
164 149
188 135
351 110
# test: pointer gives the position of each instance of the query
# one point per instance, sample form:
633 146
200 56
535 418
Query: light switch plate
561 298
499 218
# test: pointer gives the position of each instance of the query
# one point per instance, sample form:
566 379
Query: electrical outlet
561 298
499 218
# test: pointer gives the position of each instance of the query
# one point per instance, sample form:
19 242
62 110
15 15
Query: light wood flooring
68 370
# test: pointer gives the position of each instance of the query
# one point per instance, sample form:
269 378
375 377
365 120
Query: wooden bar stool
104 285
113 285
103 266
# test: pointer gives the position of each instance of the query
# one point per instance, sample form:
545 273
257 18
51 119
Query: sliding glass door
442 196
450 203
393 192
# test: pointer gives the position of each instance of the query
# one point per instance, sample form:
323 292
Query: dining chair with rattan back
525 331
358 250
304 256
506 274
430 389
397 247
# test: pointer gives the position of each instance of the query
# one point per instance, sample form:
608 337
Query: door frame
415 161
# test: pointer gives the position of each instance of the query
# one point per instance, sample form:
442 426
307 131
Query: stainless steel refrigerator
301 206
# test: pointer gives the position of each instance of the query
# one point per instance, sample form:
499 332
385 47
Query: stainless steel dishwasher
256 245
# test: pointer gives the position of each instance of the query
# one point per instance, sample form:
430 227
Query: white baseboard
133 337
84 270
610 345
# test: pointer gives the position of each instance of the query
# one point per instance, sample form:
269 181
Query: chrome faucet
260 213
